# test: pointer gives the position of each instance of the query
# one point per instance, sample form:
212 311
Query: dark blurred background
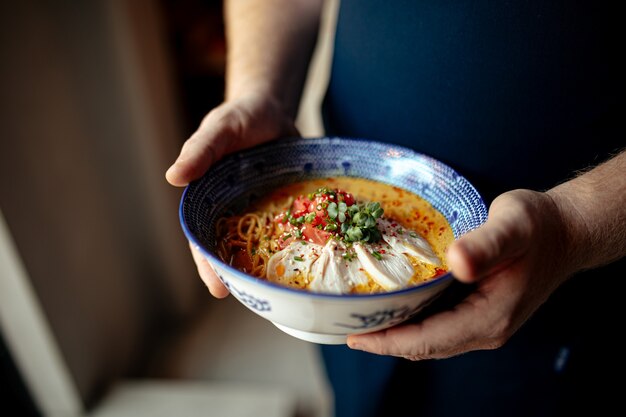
101 309
195 32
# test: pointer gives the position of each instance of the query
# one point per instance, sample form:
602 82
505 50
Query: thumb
203 148
504 236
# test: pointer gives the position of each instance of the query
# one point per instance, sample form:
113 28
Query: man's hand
517 259
235 125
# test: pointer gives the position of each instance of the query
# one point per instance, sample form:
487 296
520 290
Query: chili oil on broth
407 209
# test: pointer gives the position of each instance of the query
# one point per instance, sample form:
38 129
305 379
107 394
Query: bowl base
321 338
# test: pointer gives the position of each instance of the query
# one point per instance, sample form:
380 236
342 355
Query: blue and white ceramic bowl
231 184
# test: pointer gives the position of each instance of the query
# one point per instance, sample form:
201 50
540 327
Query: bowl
231 184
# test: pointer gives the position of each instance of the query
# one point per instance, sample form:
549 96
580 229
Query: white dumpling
292 262
390 269
333 273
408 242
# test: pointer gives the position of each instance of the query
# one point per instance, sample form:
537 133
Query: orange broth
407 209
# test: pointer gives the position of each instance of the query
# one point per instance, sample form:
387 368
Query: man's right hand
234 125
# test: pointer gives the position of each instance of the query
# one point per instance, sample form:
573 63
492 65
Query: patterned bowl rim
293 291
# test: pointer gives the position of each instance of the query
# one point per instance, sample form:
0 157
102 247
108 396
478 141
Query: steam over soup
338 235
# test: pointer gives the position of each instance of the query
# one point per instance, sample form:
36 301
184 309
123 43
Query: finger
199 152
443 335
227 128
504 236
208 275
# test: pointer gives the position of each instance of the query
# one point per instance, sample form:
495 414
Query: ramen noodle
338 235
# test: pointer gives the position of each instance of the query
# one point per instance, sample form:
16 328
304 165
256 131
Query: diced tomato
345 197
318 207
287 236
312 229
312 234
301 206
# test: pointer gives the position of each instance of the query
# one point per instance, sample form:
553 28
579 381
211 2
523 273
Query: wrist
574 231
592 210
261 93
247 87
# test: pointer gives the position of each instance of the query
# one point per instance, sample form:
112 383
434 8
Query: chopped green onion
353 223
377 255
298 258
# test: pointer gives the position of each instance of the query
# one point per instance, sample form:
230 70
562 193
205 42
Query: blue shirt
512 94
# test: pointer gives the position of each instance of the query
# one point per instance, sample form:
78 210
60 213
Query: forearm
269 46
593 210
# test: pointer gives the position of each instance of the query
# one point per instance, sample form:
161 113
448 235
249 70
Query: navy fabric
512 94
360 379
